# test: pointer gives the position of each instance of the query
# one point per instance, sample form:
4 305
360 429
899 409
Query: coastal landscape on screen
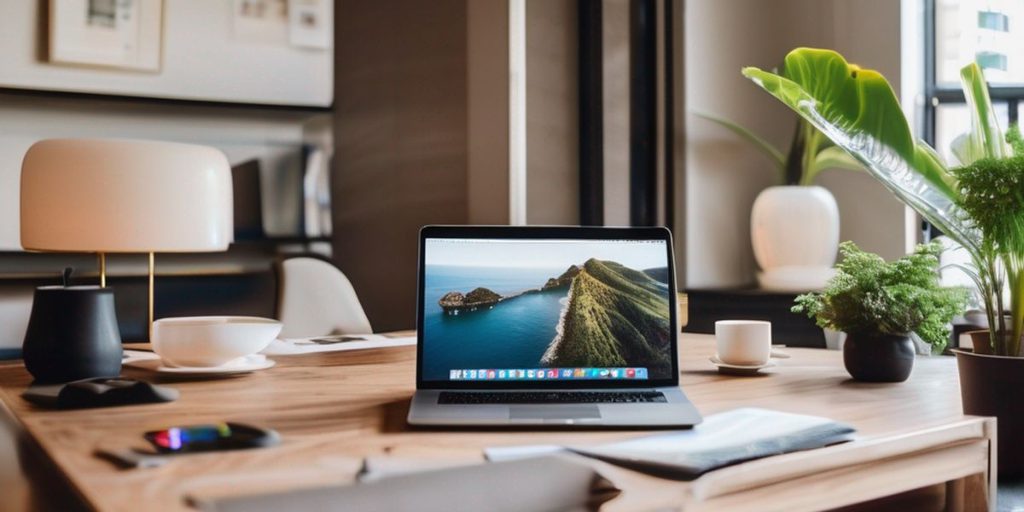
541 304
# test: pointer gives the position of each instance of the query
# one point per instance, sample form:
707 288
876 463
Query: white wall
724 174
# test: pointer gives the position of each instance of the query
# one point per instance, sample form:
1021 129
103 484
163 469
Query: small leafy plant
869 296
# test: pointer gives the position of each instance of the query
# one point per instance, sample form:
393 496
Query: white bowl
205 341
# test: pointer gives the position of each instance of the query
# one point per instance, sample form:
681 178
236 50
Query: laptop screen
546 311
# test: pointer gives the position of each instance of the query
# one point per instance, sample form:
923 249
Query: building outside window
990 32
992 20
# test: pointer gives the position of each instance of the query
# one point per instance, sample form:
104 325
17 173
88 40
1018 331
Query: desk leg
977 493
968 494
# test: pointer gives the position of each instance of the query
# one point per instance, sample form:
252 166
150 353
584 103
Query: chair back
315 299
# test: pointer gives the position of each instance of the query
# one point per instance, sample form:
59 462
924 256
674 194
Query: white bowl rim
216 320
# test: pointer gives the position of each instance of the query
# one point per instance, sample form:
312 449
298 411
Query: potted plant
992 195
794 225
878 305
977 205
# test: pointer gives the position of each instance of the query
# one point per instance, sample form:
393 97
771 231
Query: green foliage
992 195
869 296
855 108
482 295
755 140
810 152
986 138
615 314
1013 137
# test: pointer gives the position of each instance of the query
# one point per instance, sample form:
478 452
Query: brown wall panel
400 143
488 106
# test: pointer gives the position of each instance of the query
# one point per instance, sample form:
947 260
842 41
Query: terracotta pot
878 358
990 386
980 341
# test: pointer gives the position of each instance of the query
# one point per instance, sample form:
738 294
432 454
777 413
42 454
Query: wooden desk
334 409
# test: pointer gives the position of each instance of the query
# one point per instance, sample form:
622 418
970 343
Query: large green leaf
857 109
986 138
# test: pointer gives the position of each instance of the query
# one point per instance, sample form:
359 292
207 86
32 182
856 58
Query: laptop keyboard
547 397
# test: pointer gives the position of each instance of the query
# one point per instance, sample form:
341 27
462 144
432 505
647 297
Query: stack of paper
334 343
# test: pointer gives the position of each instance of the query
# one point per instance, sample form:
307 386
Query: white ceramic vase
795 233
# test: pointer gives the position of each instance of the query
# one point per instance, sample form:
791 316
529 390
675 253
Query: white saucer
739 369
245 364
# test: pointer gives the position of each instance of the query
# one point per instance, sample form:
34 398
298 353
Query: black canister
72 334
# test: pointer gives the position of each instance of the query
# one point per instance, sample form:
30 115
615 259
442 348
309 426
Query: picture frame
116 34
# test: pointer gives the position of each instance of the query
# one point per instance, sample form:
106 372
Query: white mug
744 342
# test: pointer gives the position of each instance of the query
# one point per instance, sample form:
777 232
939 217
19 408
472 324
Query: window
956 32
990 32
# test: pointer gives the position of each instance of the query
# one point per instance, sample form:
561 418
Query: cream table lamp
125 196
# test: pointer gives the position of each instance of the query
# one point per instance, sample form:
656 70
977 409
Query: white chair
316 299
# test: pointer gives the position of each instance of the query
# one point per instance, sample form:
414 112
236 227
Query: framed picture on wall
122 34
311 23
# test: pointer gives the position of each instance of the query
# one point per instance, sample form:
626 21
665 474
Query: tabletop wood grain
334 409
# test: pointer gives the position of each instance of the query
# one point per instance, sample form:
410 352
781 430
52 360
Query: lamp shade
110 195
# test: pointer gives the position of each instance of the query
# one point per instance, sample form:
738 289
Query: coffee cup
744 342
210 341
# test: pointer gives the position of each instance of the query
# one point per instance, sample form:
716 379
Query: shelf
283 240
90 276
35 266
172 102
708 306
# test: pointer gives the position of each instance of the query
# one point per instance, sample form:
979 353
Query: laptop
548 326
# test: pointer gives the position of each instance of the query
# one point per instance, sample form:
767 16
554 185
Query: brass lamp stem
102 256
150 323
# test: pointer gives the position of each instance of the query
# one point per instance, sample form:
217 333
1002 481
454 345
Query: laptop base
675 412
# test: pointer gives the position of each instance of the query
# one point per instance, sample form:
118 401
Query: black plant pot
878 358
72 334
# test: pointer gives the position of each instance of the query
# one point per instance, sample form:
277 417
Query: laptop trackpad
560 412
